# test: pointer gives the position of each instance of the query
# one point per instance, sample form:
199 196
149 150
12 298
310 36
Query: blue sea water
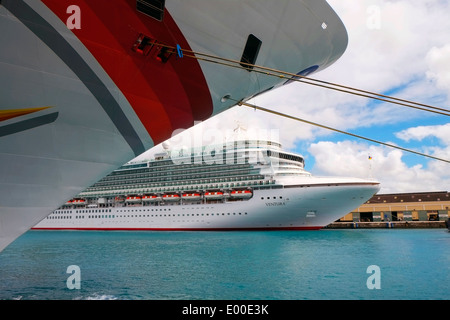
286 265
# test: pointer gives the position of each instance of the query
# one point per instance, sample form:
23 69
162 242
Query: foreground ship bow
88 85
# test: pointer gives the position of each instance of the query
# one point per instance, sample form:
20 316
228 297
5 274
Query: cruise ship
238 185
86 86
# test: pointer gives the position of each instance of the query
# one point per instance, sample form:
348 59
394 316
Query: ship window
251 51
152 8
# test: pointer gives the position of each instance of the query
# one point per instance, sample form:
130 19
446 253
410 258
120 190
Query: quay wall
385 224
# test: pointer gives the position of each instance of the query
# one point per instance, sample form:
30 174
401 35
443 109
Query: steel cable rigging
308 80
315 82
241 103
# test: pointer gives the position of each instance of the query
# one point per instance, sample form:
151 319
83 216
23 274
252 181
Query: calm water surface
288 265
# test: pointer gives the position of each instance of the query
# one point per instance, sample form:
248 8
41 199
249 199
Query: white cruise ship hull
305 207
76 102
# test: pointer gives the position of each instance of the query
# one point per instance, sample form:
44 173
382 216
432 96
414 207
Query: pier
386 225
399 210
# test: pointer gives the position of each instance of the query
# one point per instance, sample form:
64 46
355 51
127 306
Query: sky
399 48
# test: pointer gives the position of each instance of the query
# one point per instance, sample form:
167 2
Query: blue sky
399 48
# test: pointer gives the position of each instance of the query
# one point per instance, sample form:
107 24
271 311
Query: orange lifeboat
213 195
78 202
171 197
133 199
192 196
242 194
119 199
151 198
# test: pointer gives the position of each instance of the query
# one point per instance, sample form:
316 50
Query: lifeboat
171 197
241 194
133 199
212 195
192 196
119 199
78 202
69 202
151 198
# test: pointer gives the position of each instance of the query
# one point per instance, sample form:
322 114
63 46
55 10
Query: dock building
422 206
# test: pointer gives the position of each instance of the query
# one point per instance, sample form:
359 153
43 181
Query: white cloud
438 60
441 132
438 147
379 58
349 158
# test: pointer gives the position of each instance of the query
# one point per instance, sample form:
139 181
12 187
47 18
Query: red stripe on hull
189 229
165 96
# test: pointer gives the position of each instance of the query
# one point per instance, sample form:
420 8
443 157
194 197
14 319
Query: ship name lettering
272 204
